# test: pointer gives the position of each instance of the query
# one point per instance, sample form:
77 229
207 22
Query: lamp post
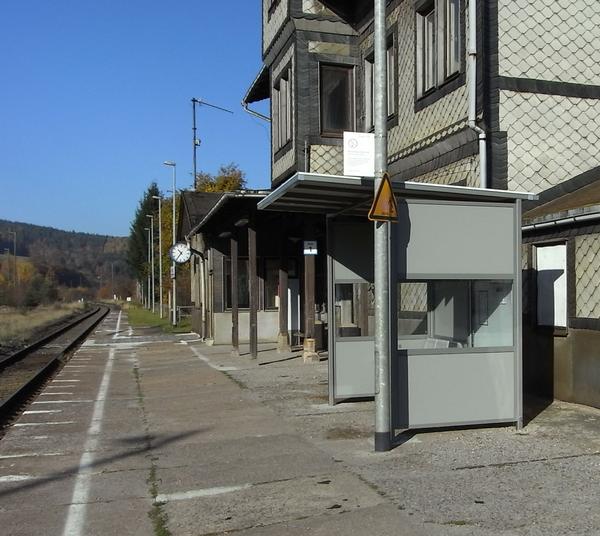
152 256
148 293
160 285
173 165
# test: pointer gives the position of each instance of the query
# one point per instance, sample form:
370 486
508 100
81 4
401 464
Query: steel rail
23 352
36 377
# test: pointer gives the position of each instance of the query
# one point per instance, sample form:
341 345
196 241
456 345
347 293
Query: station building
515 109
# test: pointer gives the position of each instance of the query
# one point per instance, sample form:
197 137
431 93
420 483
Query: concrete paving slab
247 505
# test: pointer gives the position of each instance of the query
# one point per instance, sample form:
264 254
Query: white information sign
359 154
310 247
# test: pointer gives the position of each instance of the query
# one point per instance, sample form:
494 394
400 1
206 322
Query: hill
65 259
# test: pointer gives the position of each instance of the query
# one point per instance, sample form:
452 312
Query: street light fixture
160 284
173 165
151 216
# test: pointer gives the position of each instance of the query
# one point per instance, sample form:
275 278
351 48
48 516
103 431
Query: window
354 309
271 283
282 110
438 43
551 270
336 99
242 284
455 314
370 84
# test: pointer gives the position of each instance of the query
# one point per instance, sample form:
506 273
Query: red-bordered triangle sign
384 206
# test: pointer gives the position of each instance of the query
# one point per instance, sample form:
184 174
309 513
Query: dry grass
17 325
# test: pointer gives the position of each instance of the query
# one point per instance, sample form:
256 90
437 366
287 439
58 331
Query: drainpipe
483 182
255 114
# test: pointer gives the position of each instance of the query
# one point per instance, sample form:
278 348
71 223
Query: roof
224 204
194 206
259 89
575 207
587 196
335 194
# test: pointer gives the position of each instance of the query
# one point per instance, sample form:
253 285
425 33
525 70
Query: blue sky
95 95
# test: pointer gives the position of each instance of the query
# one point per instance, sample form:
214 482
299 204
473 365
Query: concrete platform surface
145 433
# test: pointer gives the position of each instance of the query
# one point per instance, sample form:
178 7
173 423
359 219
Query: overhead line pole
195 140
382 244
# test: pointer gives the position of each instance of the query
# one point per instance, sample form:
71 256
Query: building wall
282 161
273 22
554 41
551 138
549 64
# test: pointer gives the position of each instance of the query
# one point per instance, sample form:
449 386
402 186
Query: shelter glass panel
354 309
455 314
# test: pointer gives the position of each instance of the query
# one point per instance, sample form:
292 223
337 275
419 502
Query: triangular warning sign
384 206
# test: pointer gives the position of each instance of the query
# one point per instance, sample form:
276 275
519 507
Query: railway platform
143 433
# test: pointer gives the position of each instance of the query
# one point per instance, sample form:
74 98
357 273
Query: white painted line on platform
116 335
208 362
54 393
196 493
40 437
34 412
63 381
29 455
16 478
60 401
52 423
77 510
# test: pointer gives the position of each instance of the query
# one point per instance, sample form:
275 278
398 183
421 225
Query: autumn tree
229 178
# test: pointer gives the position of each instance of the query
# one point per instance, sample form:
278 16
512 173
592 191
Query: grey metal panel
453 389
351 249
459 239
354 368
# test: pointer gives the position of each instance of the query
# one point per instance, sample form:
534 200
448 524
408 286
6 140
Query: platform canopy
338 194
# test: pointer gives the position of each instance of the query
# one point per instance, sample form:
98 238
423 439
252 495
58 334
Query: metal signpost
382 245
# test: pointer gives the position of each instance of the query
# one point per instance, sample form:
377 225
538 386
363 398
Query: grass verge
20 325
141 317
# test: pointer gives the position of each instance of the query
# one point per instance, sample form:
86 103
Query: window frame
392 83
446 65
351 74
282 105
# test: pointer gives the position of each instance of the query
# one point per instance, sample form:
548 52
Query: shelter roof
231 206
194 206
336 194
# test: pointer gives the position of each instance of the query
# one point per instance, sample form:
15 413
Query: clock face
180 252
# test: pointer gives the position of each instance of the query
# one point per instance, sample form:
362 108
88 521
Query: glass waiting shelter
455 288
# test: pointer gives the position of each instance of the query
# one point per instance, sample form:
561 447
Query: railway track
23 372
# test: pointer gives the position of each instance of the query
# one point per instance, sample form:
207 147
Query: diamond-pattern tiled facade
327 159
464 172
587 275
550 138
550 40
417 129
272 24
